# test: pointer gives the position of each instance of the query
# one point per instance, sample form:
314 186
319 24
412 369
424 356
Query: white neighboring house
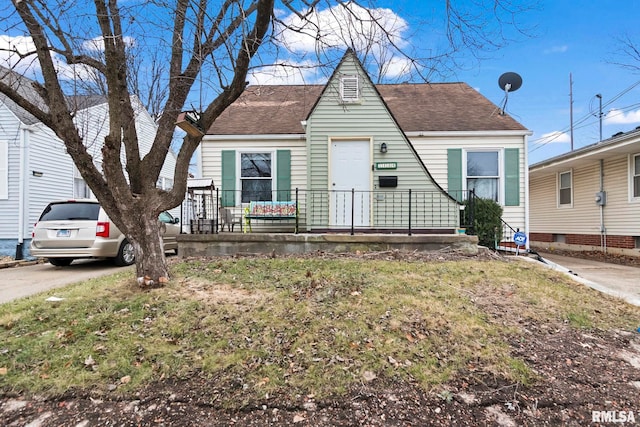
36 169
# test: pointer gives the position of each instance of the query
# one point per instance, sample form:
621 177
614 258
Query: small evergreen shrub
487 221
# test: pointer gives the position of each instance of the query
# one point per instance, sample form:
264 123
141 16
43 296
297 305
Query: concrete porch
284 243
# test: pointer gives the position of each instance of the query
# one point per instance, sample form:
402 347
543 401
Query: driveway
618 280
19 282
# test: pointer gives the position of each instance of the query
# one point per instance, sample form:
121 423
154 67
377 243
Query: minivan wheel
60 262
126 254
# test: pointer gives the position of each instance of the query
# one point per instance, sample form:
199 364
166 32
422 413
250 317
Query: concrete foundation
267 243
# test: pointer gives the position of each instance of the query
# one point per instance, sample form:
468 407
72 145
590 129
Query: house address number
387 165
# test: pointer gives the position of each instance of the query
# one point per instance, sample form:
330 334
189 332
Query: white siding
47 154
433 151
9 132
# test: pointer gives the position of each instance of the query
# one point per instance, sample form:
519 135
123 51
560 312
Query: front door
350 170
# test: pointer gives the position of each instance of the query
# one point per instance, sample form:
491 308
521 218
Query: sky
563 37
574 38
577 38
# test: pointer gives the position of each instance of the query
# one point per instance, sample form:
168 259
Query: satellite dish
510 82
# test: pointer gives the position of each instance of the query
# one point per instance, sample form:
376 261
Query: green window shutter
454 173
228 195
283 175
512 177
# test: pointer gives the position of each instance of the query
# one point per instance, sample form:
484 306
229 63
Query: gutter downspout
603 230
22 188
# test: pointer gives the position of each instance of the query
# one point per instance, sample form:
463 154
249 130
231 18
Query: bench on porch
276 211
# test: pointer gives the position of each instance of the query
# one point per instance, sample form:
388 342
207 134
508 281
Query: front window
564 188
483 174
255 177
636 175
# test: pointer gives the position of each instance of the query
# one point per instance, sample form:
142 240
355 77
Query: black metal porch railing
390 211
504 240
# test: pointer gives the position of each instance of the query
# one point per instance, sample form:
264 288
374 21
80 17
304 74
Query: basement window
560 238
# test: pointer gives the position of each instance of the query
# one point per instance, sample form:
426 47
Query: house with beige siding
589 198
371 157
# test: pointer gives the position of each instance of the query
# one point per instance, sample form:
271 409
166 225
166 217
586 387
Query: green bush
487 221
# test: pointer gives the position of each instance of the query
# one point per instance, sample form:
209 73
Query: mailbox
388 181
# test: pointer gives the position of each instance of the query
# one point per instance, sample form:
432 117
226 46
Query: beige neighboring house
589 199
438 140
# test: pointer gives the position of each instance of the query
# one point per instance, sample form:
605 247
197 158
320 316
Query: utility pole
571 108
599 95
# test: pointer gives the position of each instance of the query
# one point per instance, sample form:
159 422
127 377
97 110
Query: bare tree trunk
151 266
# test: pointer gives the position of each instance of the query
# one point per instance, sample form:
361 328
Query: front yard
389 338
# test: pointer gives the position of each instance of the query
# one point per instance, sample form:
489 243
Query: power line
582 122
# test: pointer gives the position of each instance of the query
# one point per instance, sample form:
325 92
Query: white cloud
11 49
620 117
29 65
284 73
97 44
398 67
554 137
556 49
340 27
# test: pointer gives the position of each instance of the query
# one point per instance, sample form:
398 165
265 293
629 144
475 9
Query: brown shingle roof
424 107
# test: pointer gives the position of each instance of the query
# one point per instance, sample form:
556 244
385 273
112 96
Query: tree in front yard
208 46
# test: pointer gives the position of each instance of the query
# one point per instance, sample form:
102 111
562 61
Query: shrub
487 221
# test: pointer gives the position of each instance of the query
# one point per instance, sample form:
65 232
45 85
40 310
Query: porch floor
284 243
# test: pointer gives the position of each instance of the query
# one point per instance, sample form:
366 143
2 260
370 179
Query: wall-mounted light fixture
37 173
383 147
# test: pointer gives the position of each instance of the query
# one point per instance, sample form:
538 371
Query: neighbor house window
80 188
483 174
635 176
164 183
256 177
349 89
564 188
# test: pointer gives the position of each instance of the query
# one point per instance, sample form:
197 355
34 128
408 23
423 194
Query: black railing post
472 209
216 210
409 212
297 212
353 210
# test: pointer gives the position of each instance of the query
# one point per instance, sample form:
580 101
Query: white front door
350 170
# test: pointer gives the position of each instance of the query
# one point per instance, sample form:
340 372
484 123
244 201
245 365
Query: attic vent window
349 89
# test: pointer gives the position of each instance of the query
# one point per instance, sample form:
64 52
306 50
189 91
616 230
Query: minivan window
71 211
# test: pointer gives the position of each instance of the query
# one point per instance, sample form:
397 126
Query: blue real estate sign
520 238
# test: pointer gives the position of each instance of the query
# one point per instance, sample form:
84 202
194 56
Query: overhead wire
580 123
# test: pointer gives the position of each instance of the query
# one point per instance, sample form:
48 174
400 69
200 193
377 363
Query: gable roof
425 107
24 86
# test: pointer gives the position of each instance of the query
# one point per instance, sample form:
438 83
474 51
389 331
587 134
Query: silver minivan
71 229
